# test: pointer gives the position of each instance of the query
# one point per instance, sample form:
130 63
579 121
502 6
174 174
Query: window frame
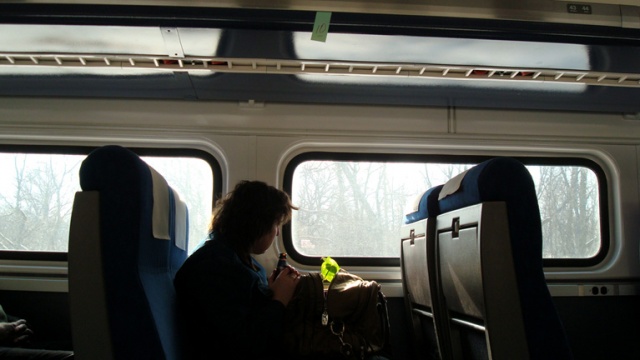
293 254
85 150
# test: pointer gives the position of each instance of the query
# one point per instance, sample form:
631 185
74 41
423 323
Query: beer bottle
282 263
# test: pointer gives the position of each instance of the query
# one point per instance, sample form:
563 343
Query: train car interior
378 118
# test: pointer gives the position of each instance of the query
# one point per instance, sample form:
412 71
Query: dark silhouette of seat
128 238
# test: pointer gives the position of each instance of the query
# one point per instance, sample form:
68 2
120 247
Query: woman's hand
13 333
284 285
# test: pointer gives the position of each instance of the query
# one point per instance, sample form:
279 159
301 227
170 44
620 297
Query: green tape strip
321 26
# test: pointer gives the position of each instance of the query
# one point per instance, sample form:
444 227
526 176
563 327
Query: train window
37 191
353 208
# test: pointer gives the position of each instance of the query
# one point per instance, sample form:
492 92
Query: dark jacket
226 306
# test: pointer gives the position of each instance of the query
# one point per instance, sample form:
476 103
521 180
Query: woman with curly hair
227 302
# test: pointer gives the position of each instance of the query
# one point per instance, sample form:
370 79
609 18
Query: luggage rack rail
318 67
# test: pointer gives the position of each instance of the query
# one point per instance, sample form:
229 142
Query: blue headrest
508 180
498 179
426 205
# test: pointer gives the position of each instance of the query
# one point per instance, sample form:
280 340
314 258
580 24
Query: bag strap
383 312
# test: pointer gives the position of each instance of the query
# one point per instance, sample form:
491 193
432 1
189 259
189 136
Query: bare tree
36 216
360 207
568 199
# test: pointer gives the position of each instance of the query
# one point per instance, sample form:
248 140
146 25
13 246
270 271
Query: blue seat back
128 239
489 248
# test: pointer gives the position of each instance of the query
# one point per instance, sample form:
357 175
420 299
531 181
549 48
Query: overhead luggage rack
318 67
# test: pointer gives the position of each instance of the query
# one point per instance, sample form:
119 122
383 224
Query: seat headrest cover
451 186
161 210
181 221
425 205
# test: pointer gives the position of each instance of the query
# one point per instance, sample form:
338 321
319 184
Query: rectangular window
37 192
354 208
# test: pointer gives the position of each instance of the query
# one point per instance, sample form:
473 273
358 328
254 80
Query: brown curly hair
248 212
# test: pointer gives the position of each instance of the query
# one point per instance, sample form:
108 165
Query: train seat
128 238
489 250
418 271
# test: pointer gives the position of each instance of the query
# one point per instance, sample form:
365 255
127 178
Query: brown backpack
349 321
